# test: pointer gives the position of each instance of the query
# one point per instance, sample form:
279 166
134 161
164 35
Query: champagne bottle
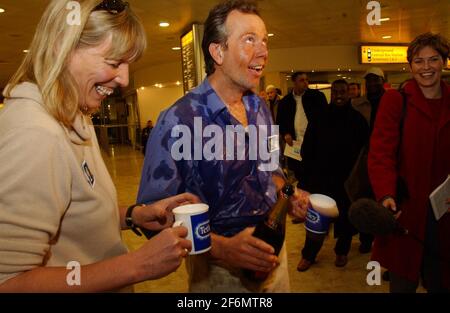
272 229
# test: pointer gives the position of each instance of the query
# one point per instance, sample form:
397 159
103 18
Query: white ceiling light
164 24
26 51
2 10
176 48
385 19
270 35
386 37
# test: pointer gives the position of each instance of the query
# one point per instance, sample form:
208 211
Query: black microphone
370 217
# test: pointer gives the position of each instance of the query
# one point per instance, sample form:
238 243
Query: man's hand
244 251
390 204
288 139
158 215
299 203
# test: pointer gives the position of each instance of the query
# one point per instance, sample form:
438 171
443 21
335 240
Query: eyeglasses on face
112 6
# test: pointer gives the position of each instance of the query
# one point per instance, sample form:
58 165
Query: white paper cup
320 213
195 218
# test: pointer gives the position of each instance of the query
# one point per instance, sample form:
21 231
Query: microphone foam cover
370 217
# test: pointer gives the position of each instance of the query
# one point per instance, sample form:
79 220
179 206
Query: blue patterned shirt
239 193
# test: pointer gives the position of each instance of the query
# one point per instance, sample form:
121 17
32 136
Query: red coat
424 142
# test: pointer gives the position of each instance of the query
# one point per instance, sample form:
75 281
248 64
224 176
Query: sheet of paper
293 151
439 198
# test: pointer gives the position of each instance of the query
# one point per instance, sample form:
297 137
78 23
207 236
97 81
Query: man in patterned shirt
238 184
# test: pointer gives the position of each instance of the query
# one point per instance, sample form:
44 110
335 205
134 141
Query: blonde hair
46 63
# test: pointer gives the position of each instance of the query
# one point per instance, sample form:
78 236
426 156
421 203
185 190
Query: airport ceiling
294 23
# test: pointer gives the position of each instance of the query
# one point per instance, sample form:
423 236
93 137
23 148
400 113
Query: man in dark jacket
272 100
295 110
375 90
145 135
331 146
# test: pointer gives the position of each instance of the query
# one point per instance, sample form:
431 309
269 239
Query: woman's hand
158 215
161 255
390 204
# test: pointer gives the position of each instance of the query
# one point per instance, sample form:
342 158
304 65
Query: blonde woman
57 201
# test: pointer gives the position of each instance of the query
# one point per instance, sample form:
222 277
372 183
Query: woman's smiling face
96 75
427 66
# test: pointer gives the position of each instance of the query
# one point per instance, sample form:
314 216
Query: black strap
129 222
149 233
129 219
402 188
402 120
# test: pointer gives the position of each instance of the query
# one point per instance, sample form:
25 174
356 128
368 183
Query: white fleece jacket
52 210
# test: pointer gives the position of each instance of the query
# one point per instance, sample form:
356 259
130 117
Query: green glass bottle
273 228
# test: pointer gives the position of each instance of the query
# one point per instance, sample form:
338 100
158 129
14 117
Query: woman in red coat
423 162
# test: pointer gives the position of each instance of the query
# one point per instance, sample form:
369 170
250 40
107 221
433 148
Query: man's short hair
297 74
215 31
355 84
339 81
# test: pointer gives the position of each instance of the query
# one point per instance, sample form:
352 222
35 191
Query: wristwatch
129 219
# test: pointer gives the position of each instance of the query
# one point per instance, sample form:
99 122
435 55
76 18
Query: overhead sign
383 54
192 58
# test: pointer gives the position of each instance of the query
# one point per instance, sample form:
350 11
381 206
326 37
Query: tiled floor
125 165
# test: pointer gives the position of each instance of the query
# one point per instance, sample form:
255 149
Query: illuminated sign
192 58
187 39
383 54
188 61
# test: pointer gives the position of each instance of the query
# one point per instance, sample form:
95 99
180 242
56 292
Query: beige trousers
206 276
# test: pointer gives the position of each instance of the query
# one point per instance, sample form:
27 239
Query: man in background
295 110
272 100
360 104
375 90
145 135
